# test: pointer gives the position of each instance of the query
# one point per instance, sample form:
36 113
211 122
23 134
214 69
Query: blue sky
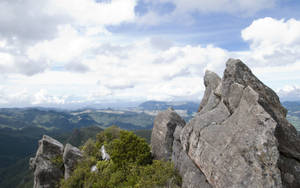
72 53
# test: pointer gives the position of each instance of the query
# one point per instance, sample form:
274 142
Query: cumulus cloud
28 20
87 64
36 20
42 97
34 36
289 93
273 41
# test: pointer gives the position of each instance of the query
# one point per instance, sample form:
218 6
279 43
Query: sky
74 53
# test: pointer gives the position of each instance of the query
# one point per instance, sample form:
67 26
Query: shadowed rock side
165 145
239 138
52 162
162 134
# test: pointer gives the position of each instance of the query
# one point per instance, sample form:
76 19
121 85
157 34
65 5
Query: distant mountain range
190 107
21 128
293 113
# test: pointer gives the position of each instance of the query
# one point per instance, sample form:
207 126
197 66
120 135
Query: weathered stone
162 134
286 134
240 137
290 172
192 177
210 100
47 173
238 151
166 133
71 157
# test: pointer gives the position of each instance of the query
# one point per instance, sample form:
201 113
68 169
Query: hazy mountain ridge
17 118
21 128
293 116
20 145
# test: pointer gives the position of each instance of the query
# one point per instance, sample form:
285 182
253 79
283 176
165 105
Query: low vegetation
131 164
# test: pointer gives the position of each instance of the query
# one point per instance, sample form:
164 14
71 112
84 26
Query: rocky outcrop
192 177
70 157
47 173
166 145
239 138
162 134
52 162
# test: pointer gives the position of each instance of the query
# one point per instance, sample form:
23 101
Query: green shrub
129 148
90 148
130 165
108 135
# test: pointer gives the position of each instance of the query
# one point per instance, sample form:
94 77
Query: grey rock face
285 133
239 138
166 145
46 173
70 157
243 139
53 162
162 134
239 150
192 177
210 100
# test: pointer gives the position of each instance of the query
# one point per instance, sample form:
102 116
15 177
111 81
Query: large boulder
162 134
71 157
46 163
243 139
240 136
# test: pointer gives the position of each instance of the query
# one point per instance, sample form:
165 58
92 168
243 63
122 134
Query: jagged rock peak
211 82
239 138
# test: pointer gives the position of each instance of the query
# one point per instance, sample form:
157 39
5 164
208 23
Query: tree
108 135
129 148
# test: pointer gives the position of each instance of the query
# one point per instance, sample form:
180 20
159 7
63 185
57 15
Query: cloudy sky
79 52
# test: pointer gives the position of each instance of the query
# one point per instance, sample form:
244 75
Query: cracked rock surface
239 138
53 162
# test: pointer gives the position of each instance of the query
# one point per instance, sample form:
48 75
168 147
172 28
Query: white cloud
289 93
43 34
275 42
90 12
68 45
89 65
43 98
